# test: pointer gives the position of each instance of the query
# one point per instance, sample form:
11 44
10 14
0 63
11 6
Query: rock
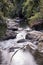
11 25
21 41
40 46
29 36
10 30
19 20
38 57
9 35
38 25
11 49
34 36
31 46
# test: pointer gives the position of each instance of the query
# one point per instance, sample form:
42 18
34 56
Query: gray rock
21 41
34 36
11 25
9 35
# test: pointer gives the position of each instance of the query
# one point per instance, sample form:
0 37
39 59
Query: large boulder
38 25
34 36
38 57
37 38
9 35
8 29
11 25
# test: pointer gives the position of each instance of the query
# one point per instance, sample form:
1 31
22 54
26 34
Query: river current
20 57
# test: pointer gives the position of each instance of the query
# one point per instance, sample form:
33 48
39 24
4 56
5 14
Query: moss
35 18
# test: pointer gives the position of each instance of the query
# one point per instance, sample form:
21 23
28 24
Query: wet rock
38 25
32 38
11 25
40 46
8 29
29 36
37 37
9 35
38 57
39 50
31 47
34 35
21 41
11 49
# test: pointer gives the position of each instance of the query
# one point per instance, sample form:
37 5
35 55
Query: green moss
35 18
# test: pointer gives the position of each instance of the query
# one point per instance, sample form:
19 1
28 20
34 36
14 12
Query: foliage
35 18
27 8
6 7
3 28
41 7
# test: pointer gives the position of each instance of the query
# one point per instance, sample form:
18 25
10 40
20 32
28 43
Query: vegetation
41 7
3 28
27 7
30 9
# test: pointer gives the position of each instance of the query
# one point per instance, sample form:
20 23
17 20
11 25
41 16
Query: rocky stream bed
21 45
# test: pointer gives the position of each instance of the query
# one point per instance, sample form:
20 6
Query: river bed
16 51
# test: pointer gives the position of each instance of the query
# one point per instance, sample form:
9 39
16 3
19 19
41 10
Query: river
14 51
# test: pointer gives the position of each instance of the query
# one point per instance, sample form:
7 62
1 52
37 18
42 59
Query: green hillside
31 9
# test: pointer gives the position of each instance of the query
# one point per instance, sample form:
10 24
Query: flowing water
21 57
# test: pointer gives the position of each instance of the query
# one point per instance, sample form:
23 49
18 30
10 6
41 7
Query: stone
40 46
38 57
37 25
34 36
11 25
21 41
11 49
9 35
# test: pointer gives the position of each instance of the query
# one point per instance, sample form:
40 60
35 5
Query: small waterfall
21 35
21 57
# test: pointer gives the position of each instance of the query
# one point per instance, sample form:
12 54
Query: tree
41 7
